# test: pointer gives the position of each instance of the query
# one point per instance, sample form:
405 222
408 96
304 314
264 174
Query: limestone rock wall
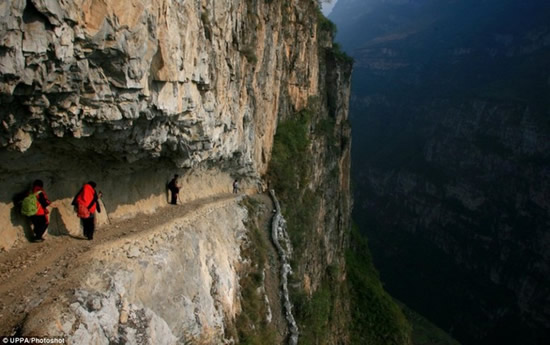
188 80
330 154
128 92
330 179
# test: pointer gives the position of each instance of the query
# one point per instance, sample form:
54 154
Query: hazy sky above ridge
327 7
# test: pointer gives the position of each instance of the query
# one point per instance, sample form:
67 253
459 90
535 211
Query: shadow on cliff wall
17 219
57 227
64 165
129 186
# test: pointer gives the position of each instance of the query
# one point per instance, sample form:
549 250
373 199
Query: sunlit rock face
191 81
127 92
176 282
451 159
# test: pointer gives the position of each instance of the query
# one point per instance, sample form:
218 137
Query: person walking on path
174 190
39 217
235 187
87 203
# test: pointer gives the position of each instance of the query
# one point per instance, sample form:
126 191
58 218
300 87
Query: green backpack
29 206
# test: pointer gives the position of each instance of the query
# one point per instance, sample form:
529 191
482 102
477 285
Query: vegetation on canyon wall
290 172
346 304
252 326
375 318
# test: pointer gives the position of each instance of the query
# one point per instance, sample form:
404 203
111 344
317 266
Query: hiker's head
38 183
92 183
176 176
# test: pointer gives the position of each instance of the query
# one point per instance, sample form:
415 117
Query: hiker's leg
40 227
84 227
92 227
34 226
88 224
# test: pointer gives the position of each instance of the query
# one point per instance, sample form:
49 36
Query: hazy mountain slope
450 113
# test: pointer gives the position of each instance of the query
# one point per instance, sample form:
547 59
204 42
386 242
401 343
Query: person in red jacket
40 219
87 203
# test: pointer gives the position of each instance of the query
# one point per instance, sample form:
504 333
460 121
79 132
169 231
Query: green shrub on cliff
289 172
339 54
326 24
288 169
376 318
251 326
321 314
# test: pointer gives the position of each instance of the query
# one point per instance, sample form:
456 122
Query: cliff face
127 93
451 160
194 74
326 196
106 90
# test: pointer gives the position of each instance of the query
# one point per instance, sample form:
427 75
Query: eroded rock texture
187 80
127 93
109 90
175 283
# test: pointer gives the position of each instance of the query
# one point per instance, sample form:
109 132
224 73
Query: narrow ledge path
36 272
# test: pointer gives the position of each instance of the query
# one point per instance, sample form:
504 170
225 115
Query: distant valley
450 112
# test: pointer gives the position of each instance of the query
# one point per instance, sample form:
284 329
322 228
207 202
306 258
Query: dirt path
37 271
